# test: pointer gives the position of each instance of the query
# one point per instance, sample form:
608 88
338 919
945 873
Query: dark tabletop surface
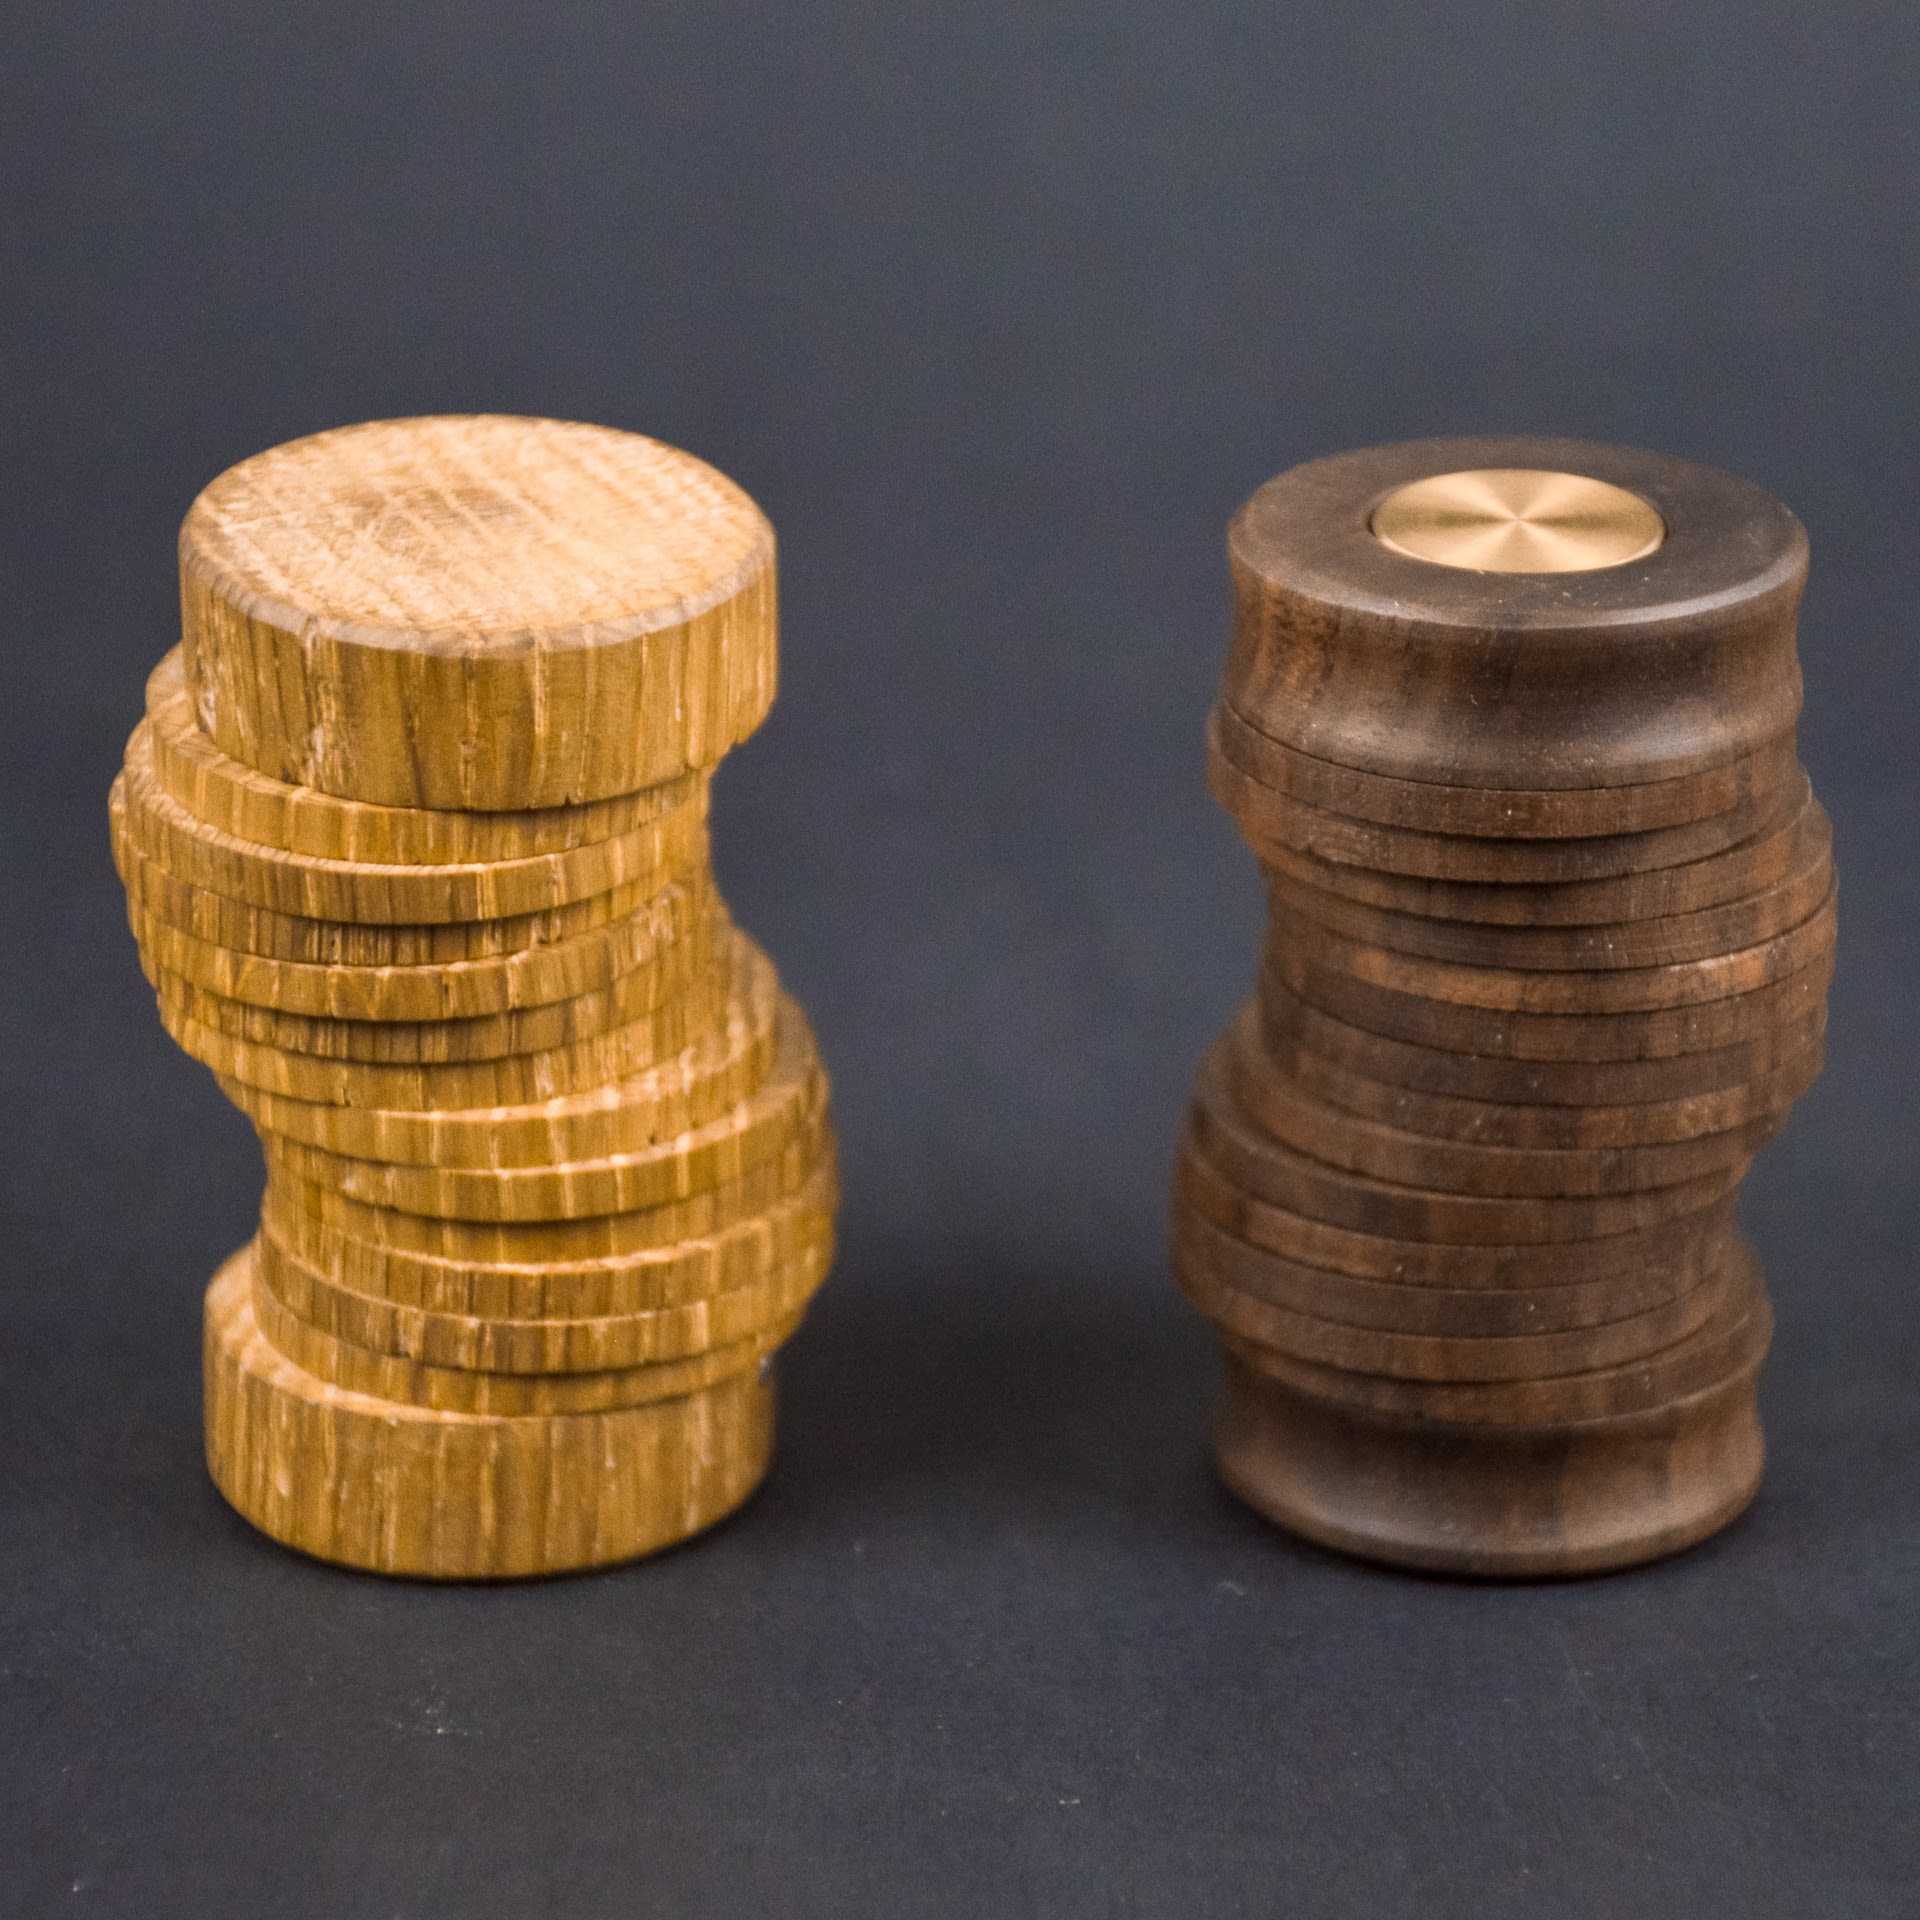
999 310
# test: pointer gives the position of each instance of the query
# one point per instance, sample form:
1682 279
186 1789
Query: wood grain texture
677 946
1675 663
1551 920
613 1286
414 840
393 1488
477 1343
227 795
651 853
1511 813
786 1106
705 1079
582 613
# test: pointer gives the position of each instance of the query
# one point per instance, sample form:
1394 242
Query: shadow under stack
1510 725
415 847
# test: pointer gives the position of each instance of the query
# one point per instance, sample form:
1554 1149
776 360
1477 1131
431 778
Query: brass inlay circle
1518 520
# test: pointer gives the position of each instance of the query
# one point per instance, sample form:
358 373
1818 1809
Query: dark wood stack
1551 923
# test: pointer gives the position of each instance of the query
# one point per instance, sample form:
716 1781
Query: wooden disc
1511 813
511 1081
385 1376
1685 1248
1294 938
1747 867
1277 827
399 1489
1492 1123
1754 1016
223 922
1501 1502
1676 662
1286 1019
1450 1313
466 1344
301 884
1784 903
476 612
786 1105
685 929
1275 1173
698 1084
589 963
598 1237
649 1280
228 795
1732 1339
1204 1276
1281 1107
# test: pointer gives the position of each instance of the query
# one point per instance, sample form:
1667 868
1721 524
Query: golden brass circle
1518 520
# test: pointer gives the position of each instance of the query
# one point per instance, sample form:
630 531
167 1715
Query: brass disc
1518 520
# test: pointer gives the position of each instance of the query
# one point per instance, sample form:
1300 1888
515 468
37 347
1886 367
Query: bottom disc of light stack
402 1489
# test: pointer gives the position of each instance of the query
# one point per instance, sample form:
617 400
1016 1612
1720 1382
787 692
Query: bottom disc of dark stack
1672 1453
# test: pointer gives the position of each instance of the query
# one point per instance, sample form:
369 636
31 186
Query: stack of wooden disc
1509 725
415 847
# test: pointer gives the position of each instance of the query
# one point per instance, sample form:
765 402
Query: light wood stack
414 836
1551 922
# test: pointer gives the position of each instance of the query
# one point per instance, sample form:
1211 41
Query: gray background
999 310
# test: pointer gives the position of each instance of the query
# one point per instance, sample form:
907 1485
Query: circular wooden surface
700 1082
595 1238
1684 1249
643 1280
1650 670
1509 813
398 1489
189 849
231 796
476 611
607 1343
1276 825
786 1105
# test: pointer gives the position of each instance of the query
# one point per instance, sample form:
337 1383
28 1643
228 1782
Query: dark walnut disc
1275 826
1437 1312
1550 990
1286 1019
1270 1170
1672 1032
1674 1255
1281 1107
1495 1123
1208 1267
1782 903
1734 1335
1494 1502
1661 893
1673 663
1567 813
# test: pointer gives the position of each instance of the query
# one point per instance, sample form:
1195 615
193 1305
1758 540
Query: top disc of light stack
477 611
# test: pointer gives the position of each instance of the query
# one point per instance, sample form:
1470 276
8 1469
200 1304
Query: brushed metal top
1518 520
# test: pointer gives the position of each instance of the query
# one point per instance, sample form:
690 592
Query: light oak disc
680 1273
655 851
785 1106
582 612
697 1084
231 796
398 1489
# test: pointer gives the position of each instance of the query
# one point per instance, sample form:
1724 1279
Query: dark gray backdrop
999 310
